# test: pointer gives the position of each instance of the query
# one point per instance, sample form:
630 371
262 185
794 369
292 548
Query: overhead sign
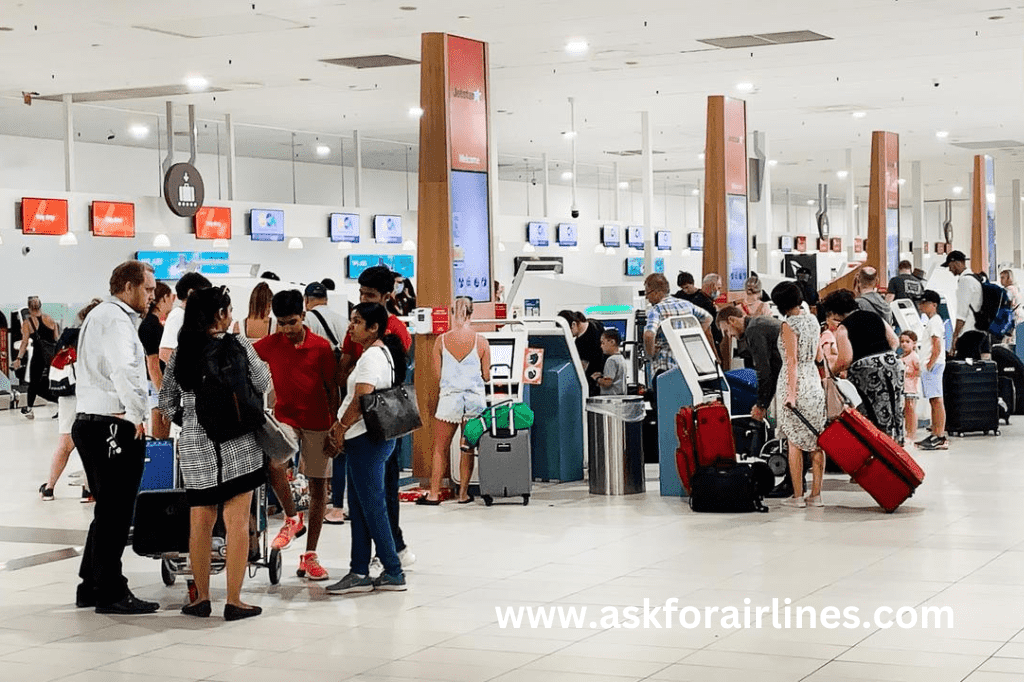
113 219
467 104
44 216
213 222
183 190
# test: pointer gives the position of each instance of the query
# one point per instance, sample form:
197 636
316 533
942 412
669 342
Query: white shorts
67 408
456 408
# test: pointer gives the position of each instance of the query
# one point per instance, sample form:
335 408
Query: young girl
911 381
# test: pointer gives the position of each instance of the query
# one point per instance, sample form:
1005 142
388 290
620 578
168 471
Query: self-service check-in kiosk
697 379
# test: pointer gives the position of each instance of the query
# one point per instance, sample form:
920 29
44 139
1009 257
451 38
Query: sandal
424 500
467 500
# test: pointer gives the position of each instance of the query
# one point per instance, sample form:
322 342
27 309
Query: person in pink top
911 380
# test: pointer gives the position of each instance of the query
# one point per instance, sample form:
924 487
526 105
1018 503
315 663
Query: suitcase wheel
526 499
274 566
779 464
488 500
165 572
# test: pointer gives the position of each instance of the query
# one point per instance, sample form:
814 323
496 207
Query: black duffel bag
738 488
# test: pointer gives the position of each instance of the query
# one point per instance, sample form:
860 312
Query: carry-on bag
1010 366
505 463
971 393
737 488
161 523
874 460
705 439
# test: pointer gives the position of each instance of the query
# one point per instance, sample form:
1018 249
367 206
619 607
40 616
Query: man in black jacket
761 335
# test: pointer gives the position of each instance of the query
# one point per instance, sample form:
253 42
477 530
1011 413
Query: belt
102 418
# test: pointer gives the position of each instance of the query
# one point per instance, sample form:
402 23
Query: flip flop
424 500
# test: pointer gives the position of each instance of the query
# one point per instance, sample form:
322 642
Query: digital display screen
892 241
786 243
663 240
659 265
567 234
538 234
471 236
619 325
610 236
344 227
699 354
695 240
44 216
738 255
801 244
634 267
171 265
266 225
213 222
836 244
404 265
501 357
635 236
990 215
113 219
387 229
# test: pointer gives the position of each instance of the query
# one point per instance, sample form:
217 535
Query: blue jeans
367 505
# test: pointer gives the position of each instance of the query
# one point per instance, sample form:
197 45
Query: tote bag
390 413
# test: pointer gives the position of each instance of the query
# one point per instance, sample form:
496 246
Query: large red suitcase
874 460
705 439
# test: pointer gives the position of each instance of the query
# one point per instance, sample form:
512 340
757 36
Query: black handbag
390 413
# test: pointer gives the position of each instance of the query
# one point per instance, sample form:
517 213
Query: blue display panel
610 236
635 237
266 225
387 229
736 207
892 241
471 236
538 234
567 234
171 265
663 240
619 325
403 264
634 267
345 227
659 265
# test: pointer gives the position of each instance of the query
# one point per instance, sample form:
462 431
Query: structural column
647 185
69 145
1018 235
983 216
917 212
726 237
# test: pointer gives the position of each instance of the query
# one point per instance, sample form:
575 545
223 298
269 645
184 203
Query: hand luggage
705 439
873 459
1007 398
742 390
1009 365
160 467
737 488
971 392
504 461
161 523
750 436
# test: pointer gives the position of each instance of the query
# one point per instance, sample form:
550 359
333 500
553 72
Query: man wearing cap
969 341
933 366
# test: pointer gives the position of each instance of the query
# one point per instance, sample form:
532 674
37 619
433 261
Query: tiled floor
959 543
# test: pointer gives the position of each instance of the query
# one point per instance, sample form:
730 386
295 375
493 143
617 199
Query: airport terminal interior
537 158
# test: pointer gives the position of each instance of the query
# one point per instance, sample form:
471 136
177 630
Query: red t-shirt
300 377
395 326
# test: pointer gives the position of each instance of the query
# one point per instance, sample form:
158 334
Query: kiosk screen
620 325
699 354
501 354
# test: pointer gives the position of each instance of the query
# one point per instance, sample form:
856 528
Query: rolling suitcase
873 459
1007 398
971 392
504 462
705 439
161 523
737 488
1011 367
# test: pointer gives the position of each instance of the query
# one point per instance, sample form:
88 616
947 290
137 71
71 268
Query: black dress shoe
199 609
129 606
232 612
85 597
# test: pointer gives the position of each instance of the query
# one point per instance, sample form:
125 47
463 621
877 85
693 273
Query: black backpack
227 404
996 314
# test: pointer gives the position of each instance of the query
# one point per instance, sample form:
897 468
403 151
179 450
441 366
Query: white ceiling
915 67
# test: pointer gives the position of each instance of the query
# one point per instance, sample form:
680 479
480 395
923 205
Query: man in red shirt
377 285
304 372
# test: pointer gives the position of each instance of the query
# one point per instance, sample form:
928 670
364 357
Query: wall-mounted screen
266 225
835 244
634 267
858 245
737 240
786 243
357 263
619 324
801 244
635 237
538 234
611 237
171 265
113 219
659 265
663 240
940 248
213 222
44 216
822 246
387 229
567 234
471 236
344 227
695 240
892 241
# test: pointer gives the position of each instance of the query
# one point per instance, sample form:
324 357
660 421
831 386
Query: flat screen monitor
266 225
357 263
387 229
618 324
635 236
538 234
699 355
345 227
634 267
695 240
801 244
44 216
567 234
786 243
501 357
611 237
471 236
663 240
835 244
213 222
113 219
171 265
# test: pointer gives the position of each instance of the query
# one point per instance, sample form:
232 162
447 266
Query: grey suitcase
504 460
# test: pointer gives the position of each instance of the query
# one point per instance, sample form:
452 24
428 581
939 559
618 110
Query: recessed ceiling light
322 150
415 112
139 131
859 114
196 83
625 185
569 134
701 156
958 190
942 134
695 192
745 87
567 175
810 202
842 175
773 162
902 181
577 47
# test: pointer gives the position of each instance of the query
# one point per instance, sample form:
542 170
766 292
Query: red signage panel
213 222
113 219
892 171
467 104
44 216
735 146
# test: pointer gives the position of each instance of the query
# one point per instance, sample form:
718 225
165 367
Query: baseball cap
930 296
316 290
954 255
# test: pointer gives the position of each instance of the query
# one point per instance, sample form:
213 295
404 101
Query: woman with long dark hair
214 473
382 365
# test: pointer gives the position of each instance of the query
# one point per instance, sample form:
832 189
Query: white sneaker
407 557
814 501
794 502
376 567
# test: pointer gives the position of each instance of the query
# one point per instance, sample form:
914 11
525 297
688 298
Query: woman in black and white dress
214 474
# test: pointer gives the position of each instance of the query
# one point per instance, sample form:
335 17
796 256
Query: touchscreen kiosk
700 355
501 357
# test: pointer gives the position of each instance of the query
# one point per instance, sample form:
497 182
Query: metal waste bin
616 456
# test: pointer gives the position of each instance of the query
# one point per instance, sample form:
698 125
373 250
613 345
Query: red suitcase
874 460
705 439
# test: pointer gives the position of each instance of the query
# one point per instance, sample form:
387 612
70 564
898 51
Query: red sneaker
293 528
309 567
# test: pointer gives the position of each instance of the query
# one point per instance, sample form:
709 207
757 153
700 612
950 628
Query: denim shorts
931 381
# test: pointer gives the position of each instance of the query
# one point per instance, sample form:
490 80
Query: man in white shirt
323 321
188 283
969 341
109 433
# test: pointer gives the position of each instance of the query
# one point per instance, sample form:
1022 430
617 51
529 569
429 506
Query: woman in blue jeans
382 365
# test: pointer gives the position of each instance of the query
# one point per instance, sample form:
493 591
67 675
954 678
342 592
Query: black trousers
113 460
391 474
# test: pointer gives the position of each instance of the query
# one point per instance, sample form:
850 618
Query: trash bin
614 430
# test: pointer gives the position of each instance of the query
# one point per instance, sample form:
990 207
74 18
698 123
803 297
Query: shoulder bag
390 413
276 441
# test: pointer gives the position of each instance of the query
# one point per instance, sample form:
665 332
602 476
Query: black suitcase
161 523
1007 398
737 488
971 393
1012 367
